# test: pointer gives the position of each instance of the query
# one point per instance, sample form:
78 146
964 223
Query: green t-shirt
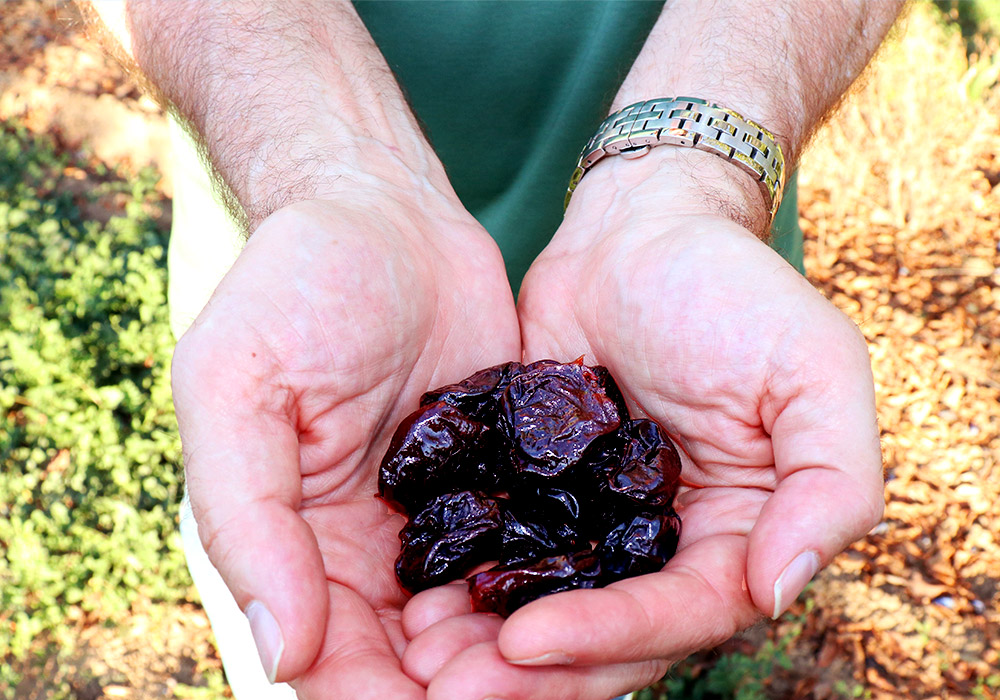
508 93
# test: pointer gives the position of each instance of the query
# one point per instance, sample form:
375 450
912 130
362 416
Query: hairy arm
290 101
365 283
784 65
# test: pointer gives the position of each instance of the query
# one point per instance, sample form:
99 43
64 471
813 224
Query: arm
290 101
657 274
365 283
785 65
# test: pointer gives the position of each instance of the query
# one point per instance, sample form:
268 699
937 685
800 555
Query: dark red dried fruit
453 534
528 534
438 449
504 589
639 546
535 462
650 468
479 394
554 415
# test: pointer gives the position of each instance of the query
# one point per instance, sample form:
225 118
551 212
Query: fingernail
267 637
553 658
793 579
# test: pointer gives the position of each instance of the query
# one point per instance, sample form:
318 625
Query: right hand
335 318
765 387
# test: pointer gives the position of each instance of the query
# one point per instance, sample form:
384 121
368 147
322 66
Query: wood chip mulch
900 204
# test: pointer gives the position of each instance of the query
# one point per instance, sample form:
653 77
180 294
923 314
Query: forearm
784 65
290 100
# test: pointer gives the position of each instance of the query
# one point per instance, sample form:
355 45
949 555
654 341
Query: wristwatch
688 121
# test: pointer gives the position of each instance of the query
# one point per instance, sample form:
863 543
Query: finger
480 672
698 600
357 660
433 605
829 465
242 469
439 643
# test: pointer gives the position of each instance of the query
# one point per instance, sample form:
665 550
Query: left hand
761 382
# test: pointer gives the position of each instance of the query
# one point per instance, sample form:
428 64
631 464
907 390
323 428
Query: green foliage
978 21
851 690
734 676
974 17
985 686
215 687
89 455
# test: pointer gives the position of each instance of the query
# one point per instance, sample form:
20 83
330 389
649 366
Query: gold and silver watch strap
688 121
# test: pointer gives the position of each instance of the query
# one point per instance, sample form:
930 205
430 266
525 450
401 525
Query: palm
315 345
711 334
692 329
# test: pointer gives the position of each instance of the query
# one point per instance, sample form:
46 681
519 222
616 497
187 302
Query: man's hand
364 284
335 318
764 386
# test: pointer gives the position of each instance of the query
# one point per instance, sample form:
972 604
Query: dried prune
553 414
530 465
552 506
641 545
478 394
504 589
527 536
649 469
454 533
438 448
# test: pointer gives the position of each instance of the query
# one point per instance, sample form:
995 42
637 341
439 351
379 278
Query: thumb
242 469
830 485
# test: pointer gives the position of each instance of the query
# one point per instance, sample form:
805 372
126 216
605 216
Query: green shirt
509 92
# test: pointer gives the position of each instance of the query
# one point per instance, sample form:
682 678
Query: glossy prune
553 506
554 414
453 534
477 395
650 467
641 545
438 448
504 589
527 536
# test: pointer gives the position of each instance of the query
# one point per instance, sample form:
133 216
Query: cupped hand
335 318
761 382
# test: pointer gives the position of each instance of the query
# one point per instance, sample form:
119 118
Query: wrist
353 168
668 181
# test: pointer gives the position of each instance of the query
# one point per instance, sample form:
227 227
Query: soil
908 248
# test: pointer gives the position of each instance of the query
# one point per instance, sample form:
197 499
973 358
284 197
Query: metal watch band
688 121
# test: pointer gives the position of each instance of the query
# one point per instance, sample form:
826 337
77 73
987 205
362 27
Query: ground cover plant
90 476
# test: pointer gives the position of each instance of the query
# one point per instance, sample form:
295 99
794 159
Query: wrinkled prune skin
554 507
479 394
453 534
554 414
639 546
529 533
438 448
650 468
537 464
504 589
